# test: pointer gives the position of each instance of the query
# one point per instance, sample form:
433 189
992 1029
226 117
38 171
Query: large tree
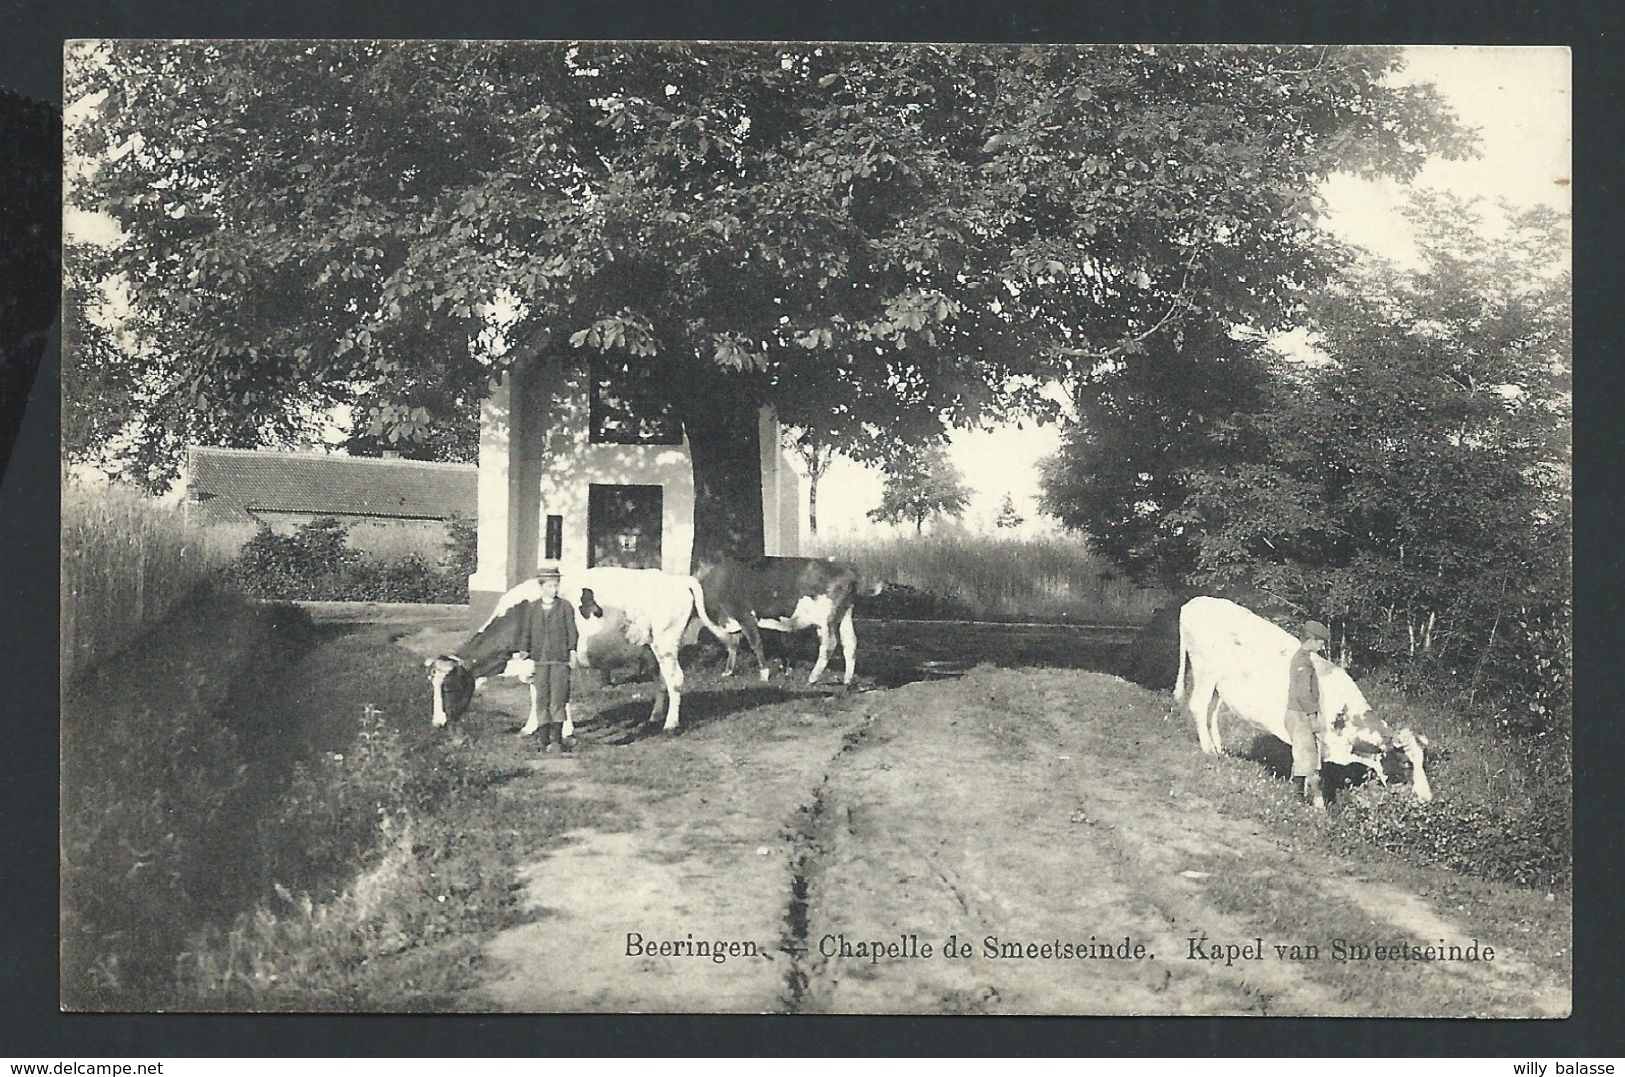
1414 481
879 241
920 484
1125 460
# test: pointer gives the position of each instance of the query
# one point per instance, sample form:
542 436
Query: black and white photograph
796 527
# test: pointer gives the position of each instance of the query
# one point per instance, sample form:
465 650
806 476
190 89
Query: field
1051 579
983 781
126 562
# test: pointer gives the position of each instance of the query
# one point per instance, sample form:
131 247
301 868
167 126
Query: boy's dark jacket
551 634
1303 690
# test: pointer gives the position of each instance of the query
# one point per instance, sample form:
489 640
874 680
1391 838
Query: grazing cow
617 610
785 594
1237 659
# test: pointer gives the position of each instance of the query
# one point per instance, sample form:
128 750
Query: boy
1303 713
551 639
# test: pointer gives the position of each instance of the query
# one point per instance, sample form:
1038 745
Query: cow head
1410 747
1396 755
453 685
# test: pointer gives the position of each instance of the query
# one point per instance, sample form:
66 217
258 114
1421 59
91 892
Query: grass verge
258 819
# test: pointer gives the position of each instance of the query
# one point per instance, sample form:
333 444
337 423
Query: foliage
316 563
1413 488
880 241
815 456
919 485
1122 471
1008 515
302 565
1529 847
462 547
126 562
453 435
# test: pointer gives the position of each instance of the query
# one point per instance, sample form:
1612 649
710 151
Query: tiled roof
229 485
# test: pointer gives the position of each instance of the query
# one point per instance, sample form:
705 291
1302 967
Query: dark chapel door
623 526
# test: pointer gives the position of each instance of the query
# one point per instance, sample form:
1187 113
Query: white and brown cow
1233 658
785 594
618 610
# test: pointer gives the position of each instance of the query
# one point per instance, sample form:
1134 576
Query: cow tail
698 591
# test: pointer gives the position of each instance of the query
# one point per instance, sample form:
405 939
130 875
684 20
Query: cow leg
671 674
730 640
824 635
1203 698
535 721
747 623
849 646
658 707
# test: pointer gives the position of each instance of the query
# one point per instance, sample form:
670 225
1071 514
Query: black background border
31 36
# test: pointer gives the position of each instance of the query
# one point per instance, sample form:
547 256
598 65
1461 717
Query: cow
1238 660
785 594
618 610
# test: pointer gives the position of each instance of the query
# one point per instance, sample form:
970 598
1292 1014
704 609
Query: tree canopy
1408 482
880 241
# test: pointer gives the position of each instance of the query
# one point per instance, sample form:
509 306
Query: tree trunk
724 441
812 504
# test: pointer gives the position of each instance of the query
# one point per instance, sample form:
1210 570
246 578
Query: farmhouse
390 506
586 468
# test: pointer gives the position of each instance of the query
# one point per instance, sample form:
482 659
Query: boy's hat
1316 630
548 572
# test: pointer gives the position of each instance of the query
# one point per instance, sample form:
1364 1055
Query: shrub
462 548
402 579
297 566
316 563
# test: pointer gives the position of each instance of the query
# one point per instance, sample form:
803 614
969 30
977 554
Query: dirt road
1011 840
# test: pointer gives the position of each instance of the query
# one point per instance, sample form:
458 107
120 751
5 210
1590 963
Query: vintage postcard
798 527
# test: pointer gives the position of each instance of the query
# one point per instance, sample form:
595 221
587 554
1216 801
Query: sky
1517 98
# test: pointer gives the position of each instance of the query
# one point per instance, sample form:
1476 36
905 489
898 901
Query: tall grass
126 562
1045 578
